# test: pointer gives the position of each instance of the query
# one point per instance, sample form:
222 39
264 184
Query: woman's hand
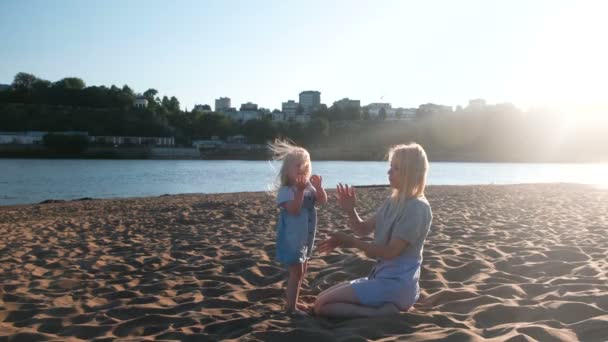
347 198
336 240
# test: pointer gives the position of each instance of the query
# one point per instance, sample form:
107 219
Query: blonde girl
298 193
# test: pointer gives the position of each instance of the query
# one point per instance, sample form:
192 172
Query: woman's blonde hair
412 166
290 154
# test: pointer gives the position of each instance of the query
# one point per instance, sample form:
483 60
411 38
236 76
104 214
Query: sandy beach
504 263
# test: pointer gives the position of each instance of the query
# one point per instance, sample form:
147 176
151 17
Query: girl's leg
293 286
304 268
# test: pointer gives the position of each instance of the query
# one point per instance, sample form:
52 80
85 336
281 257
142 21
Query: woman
400 227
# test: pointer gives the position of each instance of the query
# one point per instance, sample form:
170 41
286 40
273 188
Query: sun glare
565 61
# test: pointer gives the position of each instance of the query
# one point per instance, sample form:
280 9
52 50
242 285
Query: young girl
297 195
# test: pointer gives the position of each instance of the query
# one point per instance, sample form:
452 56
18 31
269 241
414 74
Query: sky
530 53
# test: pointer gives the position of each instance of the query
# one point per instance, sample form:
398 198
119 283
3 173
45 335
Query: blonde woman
400 228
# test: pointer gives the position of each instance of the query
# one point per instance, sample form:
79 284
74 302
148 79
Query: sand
516 263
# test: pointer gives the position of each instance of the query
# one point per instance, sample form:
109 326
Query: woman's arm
360 226
394 248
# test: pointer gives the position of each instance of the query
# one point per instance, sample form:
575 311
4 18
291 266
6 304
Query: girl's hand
347 198
316 181
301 183
336 240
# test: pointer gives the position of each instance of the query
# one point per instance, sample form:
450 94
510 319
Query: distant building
431 108
33 137
476 104
236 139
22 138
212 143
290 107
345 103
127 140
222 104
310 100
374 109
202 108
244 115
249 106
140 102
302 118
279 116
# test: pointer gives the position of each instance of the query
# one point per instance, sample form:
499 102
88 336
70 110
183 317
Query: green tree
24 81
70 83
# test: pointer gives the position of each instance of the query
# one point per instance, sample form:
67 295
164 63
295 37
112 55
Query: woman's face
393 175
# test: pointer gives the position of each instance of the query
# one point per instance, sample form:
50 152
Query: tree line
493 133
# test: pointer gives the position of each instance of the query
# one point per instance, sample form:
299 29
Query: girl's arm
293 207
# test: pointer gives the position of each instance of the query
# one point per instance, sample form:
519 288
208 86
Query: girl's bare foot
298 313
304 307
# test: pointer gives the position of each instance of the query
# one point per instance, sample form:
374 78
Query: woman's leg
347 310
326 295
342 301
293 286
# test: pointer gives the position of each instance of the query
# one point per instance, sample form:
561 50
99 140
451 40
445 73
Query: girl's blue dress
296 234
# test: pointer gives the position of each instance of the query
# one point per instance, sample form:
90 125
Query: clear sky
530 53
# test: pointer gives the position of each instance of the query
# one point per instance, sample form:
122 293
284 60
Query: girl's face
393 175
298 169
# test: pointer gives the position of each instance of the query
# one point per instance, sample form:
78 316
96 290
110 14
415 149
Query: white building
140 102
33 137
310 100
127 140
290 107
202 108
207 144
245 115
222 104
22 138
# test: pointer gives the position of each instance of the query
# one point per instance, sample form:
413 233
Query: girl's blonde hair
412 166
290 154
